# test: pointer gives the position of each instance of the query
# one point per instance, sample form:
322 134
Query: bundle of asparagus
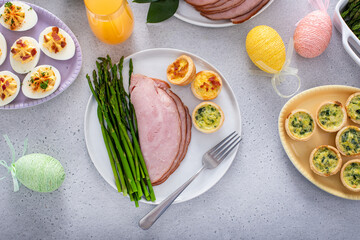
119 128
351 15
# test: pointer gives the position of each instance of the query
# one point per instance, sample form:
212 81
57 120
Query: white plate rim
231 157
215 24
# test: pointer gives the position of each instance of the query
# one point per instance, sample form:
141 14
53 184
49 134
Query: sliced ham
184 114
248 15
228 4
242 9
200 2
159 125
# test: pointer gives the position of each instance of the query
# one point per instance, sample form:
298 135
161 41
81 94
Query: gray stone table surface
262 196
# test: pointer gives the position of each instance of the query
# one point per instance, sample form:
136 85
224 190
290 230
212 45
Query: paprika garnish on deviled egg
3 49
56 43
17 16
24 55
207 85
182 71
41 82
9 87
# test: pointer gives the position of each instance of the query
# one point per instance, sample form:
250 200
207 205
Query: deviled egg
56 43
24 55
41 82
17 16
3 49
9 87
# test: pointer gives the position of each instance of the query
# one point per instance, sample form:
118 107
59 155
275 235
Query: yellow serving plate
299 152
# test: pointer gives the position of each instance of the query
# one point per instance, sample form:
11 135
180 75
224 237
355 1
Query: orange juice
111 21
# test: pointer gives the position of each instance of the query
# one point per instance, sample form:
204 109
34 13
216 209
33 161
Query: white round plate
187 13
153 63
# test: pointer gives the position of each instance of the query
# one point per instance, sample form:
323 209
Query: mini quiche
182 71
300 125
348 141
353 107
325 160
331 116
208 117
207 85
350 175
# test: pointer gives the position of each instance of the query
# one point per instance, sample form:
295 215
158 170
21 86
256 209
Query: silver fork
211 159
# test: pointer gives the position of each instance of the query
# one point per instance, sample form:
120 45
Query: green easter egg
40 172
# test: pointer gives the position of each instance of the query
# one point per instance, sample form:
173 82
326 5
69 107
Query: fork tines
223 148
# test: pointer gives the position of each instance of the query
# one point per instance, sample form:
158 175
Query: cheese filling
8 86
301 124
208 117
206 84
179 69
13 15
353 109
350 141
331 116
42 80
325 160
352 175
23 51
54 41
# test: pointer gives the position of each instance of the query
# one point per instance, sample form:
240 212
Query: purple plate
68 69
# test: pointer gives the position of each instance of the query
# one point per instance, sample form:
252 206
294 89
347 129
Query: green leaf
161 10
145 1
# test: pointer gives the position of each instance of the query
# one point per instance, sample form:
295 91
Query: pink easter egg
312 34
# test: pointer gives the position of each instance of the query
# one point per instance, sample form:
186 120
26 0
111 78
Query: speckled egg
312 34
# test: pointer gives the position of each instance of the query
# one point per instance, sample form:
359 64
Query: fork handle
149 219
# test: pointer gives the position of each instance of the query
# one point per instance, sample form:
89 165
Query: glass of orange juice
111 21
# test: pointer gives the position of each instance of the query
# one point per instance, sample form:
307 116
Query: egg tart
300 125
348 141
207 85
208 117
182 71
331 116
350 175
353 107
325 160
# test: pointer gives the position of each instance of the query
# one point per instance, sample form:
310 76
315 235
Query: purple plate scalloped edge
65 84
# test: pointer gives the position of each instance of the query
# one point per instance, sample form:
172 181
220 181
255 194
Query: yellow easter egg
266 49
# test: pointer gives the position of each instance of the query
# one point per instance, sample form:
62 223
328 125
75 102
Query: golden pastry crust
317 170
349 111
182 71
355 188
206 85
341 142
307 134
208 120
331 118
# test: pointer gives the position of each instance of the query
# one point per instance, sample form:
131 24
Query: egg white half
23 68
66 53
30 20
27 90
3 48
11 98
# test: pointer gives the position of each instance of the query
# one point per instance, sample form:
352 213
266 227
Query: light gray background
261 196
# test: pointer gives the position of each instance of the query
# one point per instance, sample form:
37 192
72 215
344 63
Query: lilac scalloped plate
68 69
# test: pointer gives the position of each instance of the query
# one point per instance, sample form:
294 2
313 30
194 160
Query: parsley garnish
30 9
8 5
44 85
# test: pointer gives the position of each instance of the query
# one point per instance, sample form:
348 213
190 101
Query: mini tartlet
182 71
350 175
300 125
208 117
325 160
331 116
353 107
206 85
348 141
